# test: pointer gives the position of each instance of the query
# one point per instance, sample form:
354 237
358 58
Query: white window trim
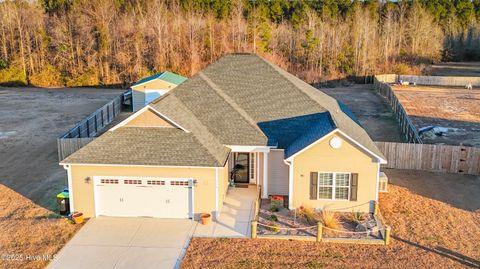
334 186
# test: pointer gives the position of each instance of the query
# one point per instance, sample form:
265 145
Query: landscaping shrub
329 219
273 217
273 227
308 214
275 206
357 217
47 77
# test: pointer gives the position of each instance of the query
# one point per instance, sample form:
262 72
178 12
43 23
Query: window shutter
353 187
313 185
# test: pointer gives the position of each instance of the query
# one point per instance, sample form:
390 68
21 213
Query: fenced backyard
384 89
85 131
439 158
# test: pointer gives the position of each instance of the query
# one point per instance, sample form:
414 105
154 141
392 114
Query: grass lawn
29 231
426 233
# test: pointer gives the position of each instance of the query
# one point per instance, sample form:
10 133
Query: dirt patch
456 69
30 235
453 108
371 110
31 119
425 233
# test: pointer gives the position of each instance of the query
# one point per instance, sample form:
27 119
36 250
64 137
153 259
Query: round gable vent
335 142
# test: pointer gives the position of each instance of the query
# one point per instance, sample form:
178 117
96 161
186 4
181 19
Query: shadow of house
455 256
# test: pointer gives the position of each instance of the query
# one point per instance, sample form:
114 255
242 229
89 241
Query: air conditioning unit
383 182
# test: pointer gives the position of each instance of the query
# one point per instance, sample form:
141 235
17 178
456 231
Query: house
150 88
174 157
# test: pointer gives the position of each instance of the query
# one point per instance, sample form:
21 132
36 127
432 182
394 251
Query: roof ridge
275 68
230 101
199 124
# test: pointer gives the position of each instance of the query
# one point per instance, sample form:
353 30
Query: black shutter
313 185
353 187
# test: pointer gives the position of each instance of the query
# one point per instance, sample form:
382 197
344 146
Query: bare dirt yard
429 230
456 69
30 121
370 109
454 108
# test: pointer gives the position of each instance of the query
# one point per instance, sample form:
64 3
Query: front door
241 167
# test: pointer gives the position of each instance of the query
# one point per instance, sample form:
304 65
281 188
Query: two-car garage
143 197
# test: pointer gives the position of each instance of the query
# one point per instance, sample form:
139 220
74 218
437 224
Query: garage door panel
133 197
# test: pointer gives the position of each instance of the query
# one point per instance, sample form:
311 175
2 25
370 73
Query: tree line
104 42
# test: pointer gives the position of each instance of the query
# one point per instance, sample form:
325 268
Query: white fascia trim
133 165
290 184
378 183
136 114
216 195
159 78
381 160
265 175
236 148
70 187
311 145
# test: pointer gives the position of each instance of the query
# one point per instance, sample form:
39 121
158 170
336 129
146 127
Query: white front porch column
265 176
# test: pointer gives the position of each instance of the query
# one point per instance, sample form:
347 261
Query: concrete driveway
109 242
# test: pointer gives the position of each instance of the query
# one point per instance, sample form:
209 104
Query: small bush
274 227
13 76
275 206
357 217
273 217
329 219
47 77
402 69
308 214
88 78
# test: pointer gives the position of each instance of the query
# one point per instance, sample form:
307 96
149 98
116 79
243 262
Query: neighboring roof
165 76
146 146
239 100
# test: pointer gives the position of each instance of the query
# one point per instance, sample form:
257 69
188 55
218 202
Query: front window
334 186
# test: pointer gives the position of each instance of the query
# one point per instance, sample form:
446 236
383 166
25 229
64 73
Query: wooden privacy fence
441 158
84 131
67 146
406 125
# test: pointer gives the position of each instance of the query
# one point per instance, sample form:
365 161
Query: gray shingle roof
146 146
238 100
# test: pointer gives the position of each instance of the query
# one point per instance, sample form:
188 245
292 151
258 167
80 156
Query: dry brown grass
329 219
27 229
426 234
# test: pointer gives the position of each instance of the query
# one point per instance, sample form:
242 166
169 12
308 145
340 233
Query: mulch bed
288 222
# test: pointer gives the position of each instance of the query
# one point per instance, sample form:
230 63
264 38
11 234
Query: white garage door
144 197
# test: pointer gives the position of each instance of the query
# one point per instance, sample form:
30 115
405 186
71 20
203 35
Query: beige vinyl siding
277 173
204 195
349 158
138 92
148 118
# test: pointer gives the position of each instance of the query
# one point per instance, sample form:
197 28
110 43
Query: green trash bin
63 201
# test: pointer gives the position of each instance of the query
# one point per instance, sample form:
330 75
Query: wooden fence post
319 231
387 234
254 229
